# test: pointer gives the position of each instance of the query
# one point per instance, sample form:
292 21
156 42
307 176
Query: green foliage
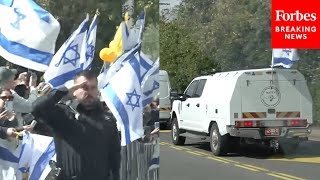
150 43
180 55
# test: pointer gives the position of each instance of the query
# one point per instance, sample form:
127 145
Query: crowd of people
86 137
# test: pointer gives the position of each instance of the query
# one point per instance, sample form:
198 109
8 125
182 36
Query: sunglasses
8 98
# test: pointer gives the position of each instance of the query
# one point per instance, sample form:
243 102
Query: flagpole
142 26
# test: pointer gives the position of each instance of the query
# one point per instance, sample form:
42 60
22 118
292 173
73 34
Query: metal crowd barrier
140 160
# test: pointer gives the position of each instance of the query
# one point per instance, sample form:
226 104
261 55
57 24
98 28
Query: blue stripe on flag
92 27
6 155
42 162
43 14
60 80
63 78
25 51
121 110
6 2
136 67
285 61
25 137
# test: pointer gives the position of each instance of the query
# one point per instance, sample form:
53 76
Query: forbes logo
296 16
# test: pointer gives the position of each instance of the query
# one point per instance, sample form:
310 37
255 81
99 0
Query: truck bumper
258 133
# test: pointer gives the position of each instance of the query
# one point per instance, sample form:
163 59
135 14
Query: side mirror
182 97
173 93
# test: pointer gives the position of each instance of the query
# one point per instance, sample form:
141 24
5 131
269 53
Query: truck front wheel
175 133
218 143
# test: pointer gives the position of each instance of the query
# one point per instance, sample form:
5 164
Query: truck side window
190 90
200 87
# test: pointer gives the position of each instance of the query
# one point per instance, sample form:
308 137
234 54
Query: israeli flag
135 34
150 85
28 34
30 160
146 65
37 151
88 47
125 99
284 57
9 159
66 62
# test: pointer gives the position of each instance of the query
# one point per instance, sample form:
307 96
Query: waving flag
284 57
30 160
150 85
66 62
88 48
136 32
125 99
9 159
28 34
37 151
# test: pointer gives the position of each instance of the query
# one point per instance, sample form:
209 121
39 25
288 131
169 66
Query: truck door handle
198 105
188 104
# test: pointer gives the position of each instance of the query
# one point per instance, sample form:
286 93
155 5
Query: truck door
197 106
186 108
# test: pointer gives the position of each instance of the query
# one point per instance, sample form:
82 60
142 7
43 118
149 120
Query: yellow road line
278 176
247 168
191 152
186 149
165 131
223 159
165 143
293 159
174 147
216 159
289 176
255 167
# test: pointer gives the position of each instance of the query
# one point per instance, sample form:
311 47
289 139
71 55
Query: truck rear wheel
175 133
218 143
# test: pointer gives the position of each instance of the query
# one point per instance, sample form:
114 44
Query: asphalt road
194 161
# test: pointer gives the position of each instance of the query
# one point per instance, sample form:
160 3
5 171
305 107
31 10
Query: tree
150 44
180 55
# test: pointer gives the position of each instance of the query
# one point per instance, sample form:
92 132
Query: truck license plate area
272 131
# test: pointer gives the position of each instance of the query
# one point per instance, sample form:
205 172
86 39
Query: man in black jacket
86 138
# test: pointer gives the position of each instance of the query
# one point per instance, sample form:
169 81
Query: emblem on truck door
270 96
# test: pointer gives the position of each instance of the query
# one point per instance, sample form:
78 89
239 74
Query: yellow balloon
106 54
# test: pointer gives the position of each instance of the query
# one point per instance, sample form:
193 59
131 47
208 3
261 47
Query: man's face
87 95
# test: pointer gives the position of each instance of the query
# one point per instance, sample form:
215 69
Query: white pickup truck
267 106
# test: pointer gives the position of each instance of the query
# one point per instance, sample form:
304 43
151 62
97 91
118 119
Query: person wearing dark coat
86 138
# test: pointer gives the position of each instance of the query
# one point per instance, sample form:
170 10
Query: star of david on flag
28 34
75 55
125 99
66 62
